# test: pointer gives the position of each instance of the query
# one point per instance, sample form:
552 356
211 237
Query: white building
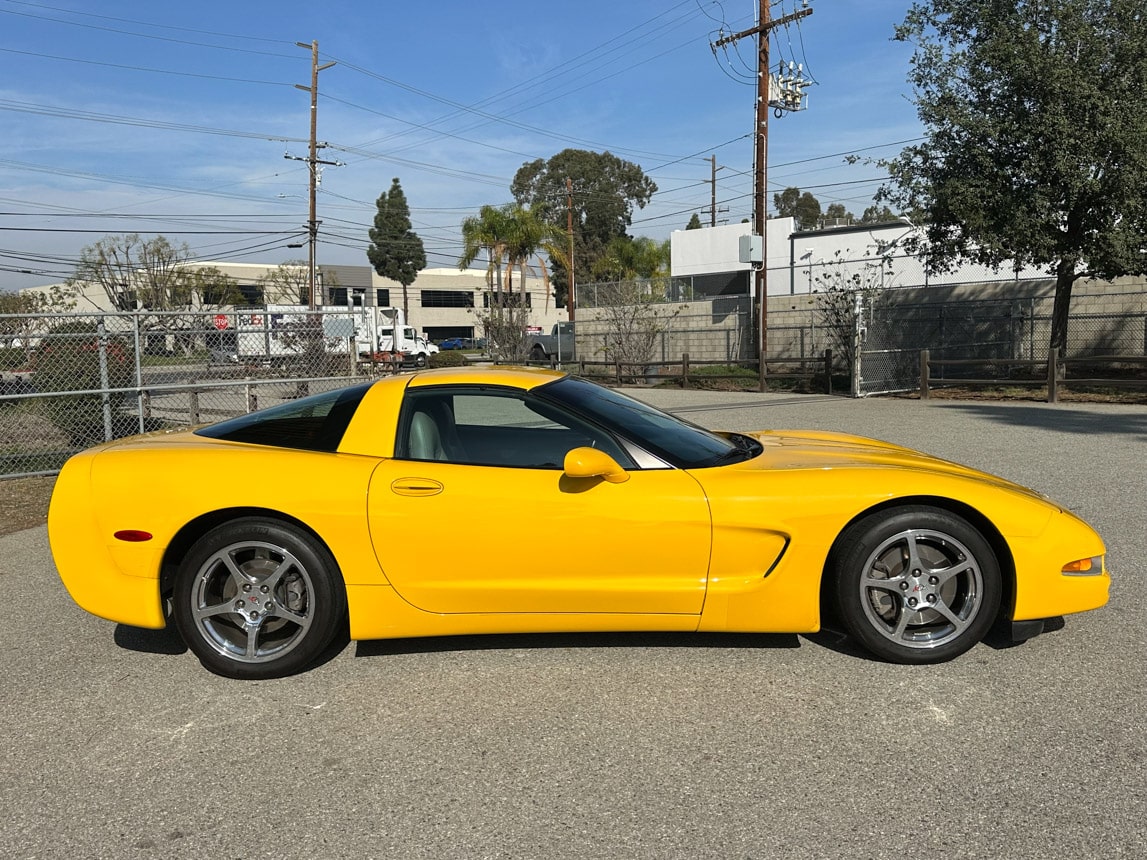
443 302
799 261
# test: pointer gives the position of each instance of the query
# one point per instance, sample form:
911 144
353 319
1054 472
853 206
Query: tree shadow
1079 420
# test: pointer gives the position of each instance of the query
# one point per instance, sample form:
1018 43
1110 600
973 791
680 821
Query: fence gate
888 353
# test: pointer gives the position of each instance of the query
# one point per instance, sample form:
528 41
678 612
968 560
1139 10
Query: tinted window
490 426
674 440
315 423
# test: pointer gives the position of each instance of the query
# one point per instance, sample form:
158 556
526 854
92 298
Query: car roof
487 374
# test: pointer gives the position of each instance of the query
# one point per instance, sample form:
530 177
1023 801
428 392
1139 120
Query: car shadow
999 638
551 641
146 641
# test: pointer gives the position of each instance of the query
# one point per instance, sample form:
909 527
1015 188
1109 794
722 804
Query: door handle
416 487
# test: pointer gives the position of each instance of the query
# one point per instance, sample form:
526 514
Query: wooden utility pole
765 26
312 164
713 193
570 298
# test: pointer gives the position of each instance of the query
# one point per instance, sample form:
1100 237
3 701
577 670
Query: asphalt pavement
114 742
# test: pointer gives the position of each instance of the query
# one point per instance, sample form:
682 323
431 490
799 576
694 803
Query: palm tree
488 232
530 237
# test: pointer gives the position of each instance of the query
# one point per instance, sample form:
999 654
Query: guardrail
1056 373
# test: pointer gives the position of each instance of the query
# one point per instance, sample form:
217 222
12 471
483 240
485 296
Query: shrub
68 359
448 358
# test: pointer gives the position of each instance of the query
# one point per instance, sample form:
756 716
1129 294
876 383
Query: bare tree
287 284
843 293
635 314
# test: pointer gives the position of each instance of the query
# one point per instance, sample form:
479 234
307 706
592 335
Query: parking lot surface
114 742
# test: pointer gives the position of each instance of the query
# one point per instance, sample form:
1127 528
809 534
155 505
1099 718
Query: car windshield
674 440
314 423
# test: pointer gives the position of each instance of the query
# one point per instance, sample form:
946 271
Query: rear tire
257 599
537 353
916 584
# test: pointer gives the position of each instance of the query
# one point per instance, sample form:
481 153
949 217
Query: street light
807 255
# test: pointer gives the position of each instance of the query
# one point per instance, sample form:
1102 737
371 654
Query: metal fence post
193 406
252 396
924 369
857 343
828 371
105 383
138 371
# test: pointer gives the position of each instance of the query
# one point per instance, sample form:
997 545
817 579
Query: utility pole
765 26
570 297
712 210
313 163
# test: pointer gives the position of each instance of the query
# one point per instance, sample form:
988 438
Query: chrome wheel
252 601
921 588
915 584
257 598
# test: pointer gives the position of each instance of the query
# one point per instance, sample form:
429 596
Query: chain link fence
69 381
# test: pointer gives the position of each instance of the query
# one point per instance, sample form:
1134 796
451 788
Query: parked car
580 509
451 343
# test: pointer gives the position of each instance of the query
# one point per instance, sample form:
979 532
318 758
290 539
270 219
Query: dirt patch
24 503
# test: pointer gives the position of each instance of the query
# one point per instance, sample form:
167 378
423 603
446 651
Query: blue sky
174 118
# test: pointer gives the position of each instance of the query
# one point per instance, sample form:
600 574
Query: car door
481 518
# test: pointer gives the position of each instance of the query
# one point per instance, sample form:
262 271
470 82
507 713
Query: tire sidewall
328 597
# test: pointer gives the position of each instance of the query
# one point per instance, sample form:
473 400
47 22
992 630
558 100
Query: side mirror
592 463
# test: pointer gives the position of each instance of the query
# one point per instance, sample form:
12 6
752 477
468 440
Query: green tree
805 208
605 191
487 233
641 258
837 212
529 238
1035 153
878 215
694 223
510 237
396 251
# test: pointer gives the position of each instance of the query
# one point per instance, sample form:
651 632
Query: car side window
495 427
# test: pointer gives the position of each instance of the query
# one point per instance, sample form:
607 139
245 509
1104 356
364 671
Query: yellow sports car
561 506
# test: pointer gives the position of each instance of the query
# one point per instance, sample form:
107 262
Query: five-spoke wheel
916 584
258 599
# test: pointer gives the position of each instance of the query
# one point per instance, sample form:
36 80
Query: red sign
221 321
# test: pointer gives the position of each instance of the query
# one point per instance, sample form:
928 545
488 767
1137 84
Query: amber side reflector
1084 565
132 536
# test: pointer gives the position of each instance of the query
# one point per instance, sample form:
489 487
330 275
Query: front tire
257 599
916 584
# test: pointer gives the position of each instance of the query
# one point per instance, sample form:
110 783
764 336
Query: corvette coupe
565 506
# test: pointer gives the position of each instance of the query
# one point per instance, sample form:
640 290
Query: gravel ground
24 503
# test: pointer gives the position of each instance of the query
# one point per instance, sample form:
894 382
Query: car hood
804 449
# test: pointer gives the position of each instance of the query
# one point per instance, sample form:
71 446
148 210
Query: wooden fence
1056 373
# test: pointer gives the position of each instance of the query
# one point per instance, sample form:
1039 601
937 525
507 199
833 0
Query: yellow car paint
738 548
